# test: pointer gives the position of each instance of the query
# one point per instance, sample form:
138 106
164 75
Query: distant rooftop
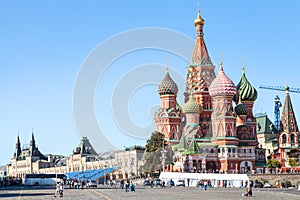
260 114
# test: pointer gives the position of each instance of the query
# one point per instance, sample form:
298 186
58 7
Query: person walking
61 189
163 184
57 189
205 185
127 186
122 184
132 189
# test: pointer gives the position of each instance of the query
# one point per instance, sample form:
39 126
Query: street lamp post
105 174
130 164
163 155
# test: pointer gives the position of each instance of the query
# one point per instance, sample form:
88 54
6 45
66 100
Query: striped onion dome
241 109
167 86
245 90
222 85
191 106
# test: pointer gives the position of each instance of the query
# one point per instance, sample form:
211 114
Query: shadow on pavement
25 194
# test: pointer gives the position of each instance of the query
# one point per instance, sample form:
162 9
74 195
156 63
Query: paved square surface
168 193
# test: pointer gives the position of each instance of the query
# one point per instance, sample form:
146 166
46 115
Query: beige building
267 134
30 160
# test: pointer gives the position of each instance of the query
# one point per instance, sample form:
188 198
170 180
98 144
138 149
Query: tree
273 163
153 153
292 162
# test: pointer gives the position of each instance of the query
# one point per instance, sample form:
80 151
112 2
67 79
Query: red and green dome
246 91
222 85
167 86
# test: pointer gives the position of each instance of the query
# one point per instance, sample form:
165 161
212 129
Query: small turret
18 148
32 145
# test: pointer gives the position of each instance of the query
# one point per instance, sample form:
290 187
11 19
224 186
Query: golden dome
199 20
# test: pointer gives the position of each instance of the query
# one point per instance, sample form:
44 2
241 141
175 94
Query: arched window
284 138
173 135
228 133
292 138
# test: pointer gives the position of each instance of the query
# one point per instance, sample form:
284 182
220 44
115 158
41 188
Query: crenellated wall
272 178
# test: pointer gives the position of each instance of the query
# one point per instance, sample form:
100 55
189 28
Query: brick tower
200 74
168 117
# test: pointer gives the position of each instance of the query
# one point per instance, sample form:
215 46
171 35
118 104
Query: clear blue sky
43 45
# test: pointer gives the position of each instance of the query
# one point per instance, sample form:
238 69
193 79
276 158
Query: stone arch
293 138
199 165
246 167
211 166
284 138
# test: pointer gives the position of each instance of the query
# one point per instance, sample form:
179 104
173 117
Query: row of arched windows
284 139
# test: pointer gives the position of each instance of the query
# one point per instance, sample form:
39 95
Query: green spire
194 149
182 146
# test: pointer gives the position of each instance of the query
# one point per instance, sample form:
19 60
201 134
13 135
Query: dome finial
221 63
167 68
243 64
199 20
287 88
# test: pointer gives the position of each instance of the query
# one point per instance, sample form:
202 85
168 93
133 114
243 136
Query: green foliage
153 153
292 162
273 163
155 142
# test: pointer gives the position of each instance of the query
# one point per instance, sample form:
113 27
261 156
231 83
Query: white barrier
216 180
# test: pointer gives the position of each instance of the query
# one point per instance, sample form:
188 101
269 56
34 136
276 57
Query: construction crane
277 100
277 112
280 88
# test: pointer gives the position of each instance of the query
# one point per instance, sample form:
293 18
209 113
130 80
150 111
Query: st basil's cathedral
207 133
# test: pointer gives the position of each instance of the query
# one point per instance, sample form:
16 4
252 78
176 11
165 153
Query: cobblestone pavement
173 193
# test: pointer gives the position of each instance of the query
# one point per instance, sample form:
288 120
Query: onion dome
246 91
191 106
241 109
167 86
198 20
222 85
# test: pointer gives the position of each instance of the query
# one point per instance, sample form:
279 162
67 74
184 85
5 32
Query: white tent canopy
217 180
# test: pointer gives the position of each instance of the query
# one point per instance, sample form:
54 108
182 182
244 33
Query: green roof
186 152
204 144
228 137
259 164
194 149
203 139
265 125
182 143
272 139
228 146
175 147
